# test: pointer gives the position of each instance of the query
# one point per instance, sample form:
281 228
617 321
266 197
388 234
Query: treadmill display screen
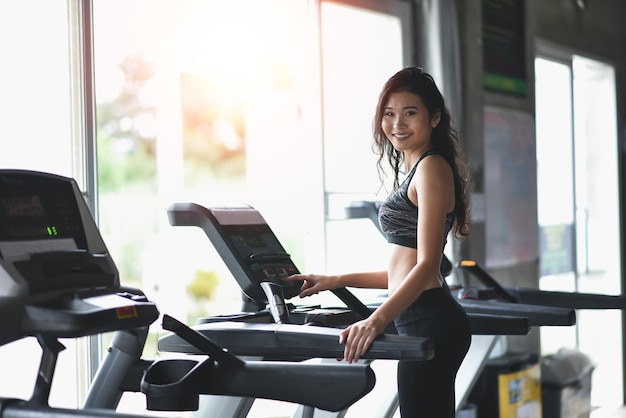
253 239
22 206
36 208
28 207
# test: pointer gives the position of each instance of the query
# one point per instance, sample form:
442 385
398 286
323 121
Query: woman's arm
369 280
315 283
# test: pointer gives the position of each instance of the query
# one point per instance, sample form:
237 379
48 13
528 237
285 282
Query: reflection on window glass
197 101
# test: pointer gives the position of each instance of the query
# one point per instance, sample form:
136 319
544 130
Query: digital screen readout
15 206
26 218
254 241
33 232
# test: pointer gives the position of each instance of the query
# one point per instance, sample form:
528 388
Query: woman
412 131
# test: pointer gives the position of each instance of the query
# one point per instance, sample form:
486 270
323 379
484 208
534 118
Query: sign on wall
511 225
504 50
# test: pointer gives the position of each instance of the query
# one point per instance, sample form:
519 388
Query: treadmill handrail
295 341
536 314
562 299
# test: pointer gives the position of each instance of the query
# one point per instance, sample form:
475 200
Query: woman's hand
313 283
359 336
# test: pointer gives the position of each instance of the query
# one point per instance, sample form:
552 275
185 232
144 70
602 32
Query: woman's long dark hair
445 138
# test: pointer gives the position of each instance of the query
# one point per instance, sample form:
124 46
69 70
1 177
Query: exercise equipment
270 327
258 261
522 295
58 280
175 384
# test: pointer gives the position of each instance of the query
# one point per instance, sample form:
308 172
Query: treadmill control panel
57 277
246 243
257 244
48 239
38 209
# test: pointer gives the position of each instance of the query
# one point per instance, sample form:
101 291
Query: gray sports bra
397 215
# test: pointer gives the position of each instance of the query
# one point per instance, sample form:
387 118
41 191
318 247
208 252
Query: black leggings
426 388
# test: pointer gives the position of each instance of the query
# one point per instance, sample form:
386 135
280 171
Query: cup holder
172 385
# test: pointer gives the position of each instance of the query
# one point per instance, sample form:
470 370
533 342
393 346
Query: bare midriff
402 261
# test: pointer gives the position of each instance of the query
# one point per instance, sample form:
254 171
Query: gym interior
150 117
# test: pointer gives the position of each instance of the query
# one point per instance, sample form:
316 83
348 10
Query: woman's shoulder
433 162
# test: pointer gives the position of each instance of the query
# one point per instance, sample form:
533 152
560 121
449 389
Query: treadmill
268 327
528 296
58 280
258 261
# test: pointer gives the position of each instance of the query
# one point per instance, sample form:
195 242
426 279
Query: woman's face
407 122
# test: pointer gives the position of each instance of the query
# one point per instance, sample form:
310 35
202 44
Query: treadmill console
48 239
56 274
246 243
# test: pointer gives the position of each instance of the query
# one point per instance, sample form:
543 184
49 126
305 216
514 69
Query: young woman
413 132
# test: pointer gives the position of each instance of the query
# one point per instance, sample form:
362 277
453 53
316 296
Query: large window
206 102
201 101
215 102
578 207
361 49
37 102
35 85
220 102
